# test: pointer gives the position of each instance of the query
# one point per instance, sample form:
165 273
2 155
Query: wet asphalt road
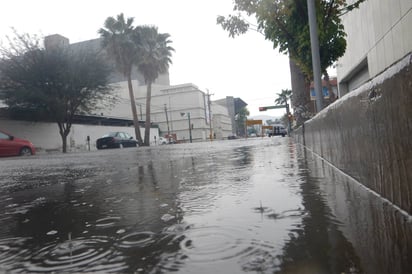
257 205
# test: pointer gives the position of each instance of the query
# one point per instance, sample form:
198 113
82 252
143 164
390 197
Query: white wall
45 136
380 31
222 124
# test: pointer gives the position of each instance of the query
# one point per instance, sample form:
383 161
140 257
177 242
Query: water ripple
71 255
107 222
137 239
11 250
210 244
206 244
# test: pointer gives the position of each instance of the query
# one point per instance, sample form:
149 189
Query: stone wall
368 134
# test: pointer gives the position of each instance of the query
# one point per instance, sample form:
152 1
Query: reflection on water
380 233
259 205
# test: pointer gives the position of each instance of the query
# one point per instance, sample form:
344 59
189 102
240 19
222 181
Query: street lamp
190 125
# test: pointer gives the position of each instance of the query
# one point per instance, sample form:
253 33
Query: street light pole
314 41
190 127
190 124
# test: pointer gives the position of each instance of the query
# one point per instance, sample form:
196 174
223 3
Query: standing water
258 205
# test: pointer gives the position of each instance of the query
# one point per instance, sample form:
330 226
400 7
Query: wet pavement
237 206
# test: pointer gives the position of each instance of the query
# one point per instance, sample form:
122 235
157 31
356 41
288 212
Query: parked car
163 141
116 139
13 146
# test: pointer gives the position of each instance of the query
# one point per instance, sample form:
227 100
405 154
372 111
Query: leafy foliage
57 83
140 46
154 55
153 51
285 23
283 97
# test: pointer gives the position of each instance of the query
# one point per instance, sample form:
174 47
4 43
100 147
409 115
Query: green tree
154 58
55 84
285 23
283 97
119 40
241 118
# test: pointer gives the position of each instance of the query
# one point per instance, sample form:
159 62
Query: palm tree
283 97
119 41
154 58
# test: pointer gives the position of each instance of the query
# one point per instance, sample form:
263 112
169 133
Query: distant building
222 122
116 76
233 105
169 108
55 41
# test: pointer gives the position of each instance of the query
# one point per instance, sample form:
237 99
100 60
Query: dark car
12 146
232 137
116 140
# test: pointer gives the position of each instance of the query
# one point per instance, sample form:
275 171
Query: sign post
271 107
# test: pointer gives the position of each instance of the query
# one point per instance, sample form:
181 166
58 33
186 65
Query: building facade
221 121
379 34
233 105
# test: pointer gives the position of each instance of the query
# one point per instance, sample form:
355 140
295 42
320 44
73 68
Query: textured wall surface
368 134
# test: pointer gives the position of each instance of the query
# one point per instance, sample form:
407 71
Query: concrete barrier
368 134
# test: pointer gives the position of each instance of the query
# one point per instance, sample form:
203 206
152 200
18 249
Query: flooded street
257 205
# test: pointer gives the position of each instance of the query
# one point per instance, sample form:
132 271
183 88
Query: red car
12 146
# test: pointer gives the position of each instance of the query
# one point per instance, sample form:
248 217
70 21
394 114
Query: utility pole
314 42
167 121
190 127
141 113
210 115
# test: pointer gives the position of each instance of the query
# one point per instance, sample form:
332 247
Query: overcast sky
247 66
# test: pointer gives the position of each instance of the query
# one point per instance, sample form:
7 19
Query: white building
221 121
170 106
379 34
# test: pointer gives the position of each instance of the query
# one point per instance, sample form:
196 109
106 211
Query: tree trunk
300 93
64 131
134 111
147 123
64 143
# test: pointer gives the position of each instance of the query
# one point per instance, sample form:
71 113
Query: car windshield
111 134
